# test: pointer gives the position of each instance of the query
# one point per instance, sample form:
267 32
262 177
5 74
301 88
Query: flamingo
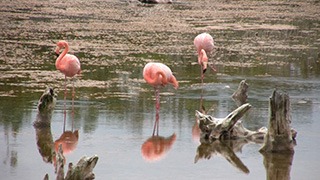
69 65
204 44
158 75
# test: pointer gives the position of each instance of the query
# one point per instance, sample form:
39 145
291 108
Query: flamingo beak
204 69
57 50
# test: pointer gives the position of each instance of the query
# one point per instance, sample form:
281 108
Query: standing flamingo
69 65
204 44
158 75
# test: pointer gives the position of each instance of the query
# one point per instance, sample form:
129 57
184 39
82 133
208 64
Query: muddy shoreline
122 34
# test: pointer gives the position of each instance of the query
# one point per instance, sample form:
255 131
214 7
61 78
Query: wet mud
115 38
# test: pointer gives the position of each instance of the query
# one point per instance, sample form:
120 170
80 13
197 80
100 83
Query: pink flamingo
204 44
69 65
158 75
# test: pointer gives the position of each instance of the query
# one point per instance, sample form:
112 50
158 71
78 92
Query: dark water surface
271 44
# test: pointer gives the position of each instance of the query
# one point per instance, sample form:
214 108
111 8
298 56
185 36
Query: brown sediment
114 33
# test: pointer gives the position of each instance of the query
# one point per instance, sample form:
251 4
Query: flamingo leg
202 77
72 104
156 124
65 99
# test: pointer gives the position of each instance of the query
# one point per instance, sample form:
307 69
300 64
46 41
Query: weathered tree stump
46 105
83 170
280 137
240 96
227 128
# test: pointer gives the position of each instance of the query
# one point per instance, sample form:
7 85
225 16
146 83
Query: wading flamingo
69 65
204 44
158 75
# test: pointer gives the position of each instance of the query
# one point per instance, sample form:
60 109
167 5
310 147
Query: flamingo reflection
68 141
157 147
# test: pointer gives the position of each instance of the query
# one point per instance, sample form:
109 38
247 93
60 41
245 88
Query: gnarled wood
280 136
227 128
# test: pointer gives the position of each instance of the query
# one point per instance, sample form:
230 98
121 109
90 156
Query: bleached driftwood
240 96
280 137
83 170
227 128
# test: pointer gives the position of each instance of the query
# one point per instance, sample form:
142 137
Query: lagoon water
277 48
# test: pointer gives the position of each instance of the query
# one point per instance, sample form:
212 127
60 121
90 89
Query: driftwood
227 128
82 171
280 137
240 96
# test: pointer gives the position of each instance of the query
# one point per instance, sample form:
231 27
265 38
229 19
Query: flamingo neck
65 51
202 57
157 78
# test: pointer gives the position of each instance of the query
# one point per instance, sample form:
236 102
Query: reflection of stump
278 165
279 137
240 95
226 149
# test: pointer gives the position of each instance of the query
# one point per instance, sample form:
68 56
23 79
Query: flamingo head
203 60
60 45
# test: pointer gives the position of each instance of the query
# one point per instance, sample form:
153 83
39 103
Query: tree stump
83 170
280 137
240 95
46 105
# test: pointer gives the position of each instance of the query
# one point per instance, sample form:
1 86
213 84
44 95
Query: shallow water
277 48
